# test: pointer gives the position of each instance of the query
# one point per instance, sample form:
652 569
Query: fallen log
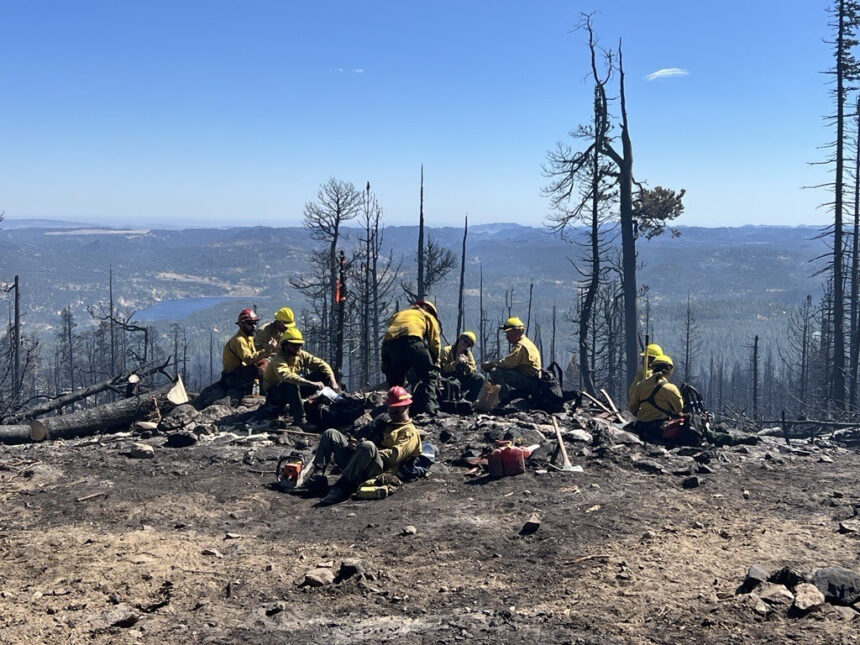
125 381
11 435
111 416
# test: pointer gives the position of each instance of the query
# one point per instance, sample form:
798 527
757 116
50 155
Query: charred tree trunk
460 301
420 285
12 435
110 416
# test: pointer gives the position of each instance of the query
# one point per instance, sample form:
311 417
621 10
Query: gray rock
409 530
144 426
786 576
205 429
141 451
849 526
775 595
178 417
840 586
579 435
807 597
756 576
214 413
690 482
120 616
648 466
622 436
844 613
318 577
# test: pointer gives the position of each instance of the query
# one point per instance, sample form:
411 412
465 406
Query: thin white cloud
667 72
358 70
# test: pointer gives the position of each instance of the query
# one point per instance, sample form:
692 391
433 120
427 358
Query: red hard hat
398 397
247 315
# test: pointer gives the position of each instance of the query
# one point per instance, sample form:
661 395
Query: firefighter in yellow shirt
293 373
269 335
393 440
519 371
655 400
458 363
652 351
241 361
412 343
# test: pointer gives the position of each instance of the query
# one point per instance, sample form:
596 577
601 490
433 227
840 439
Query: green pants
470 384
241 378
513 381
287 394
399 356
357 465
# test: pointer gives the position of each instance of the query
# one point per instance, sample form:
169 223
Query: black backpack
549 396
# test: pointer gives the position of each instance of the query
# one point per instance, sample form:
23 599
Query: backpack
419 466
334 414
548 395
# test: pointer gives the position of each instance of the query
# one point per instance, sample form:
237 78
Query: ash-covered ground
104 541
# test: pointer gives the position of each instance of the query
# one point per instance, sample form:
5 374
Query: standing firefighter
458 363
520 370
269 335
242 362
652 351
412 343
655 400
393 441
292 374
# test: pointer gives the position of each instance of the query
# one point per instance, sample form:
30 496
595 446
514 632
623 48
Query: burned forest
604 425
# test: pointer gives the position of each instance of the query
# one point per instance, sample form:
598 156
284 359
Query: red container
506 461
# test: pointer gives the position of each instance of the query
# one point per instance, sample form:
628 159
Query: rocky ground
128 539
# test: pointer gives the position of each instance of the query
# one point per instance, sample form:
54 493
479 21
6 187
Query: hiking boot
336 494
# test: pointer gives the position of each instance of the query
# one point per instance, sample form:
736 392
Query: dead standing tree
663 204
336 203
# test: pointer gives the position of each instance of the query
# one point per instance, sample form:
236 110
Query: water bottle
255 388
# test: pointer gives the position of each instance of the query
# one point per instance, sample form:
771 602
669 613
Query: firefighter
412 343
519 371
392 440
458 363
242 362
292 374
269 335
655 400
652 351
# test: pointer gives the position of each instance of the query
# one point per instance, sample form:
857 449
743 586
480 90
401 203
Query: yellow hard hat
662 359
285 315
653 350
512 323
292 335
470 335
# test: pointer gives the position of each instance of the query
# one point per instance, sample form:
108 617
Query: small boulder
775 595
144 426
141 451
409 530
690 482
648 466
579 435
786 576
756 576
840 586
849 526
318 578
807 597
120 616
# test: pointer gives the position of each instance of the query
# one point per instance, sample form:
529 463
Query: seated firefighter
652 351
458 363
393 440
293 373
242 362
412 343
519 371
655 400
269 335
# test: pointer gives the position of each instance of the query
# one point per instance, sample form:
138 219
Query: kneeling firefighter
293 374
655 400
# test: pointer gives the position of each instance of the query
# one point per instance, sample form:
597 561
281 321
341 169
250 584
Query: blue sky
233 113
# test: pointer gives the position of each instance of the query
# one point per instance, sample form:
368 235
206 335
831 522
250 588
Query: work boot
336 494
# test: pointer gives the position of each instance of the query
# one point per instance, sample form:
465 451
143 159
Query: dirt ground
194 546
